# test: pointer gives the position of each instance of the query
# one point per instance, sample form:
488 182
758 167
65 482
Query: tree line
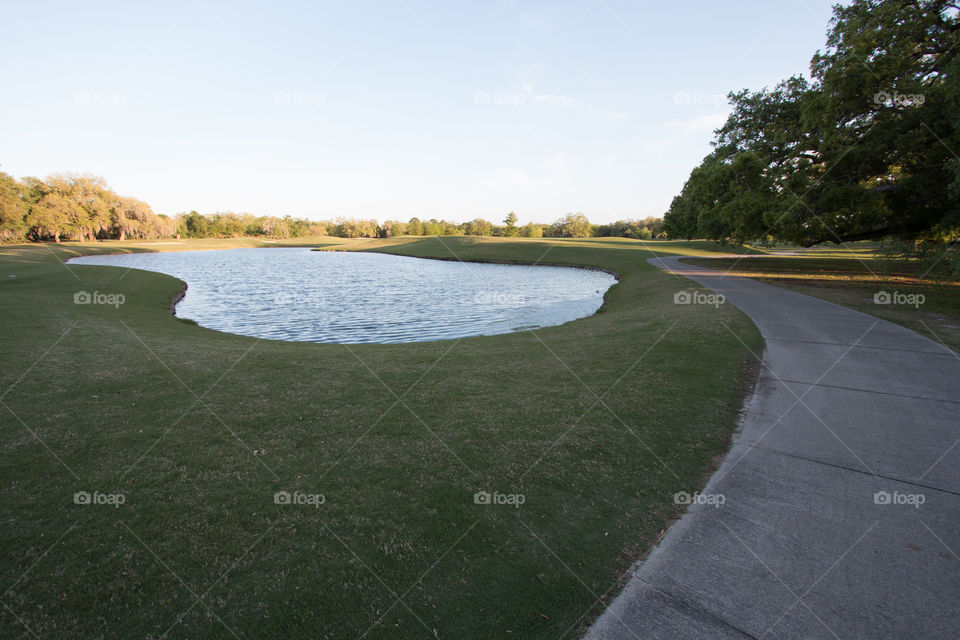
868 148
82 207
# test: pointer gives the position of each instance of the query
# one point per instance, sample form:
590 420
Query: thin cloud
566 102
704 123
549 98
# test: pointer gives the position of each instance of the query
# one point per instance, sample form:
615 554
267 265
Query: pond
327 296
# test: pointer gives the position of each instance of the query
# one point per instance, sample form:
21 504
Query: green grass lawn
851 277
596 423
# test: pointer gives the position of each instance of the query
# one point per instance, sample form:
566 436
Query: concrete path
842 490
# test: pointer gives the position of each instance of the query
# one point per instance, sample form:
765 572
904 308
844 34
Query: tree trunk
56 236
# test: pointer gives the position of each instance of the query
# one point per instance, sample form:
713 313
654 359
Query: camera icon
81 497
682 497
281 497
682 97
881 97
82 297
481 97
482 497
882 297
682 297
882 497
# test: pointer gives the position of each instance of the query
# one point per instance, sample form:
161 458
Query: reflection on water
323 296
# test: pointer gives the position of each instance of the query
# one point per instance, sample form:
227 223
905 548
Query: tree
511 222
572 225
352 228
13 207
392 228
93 196
132 217
196 226
862 151
531 230
52 216
478 227
83 207
98 216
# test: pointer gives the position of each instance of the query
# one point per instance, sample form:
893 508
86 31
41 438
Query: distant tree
225 225
195 224
353 228
98 216
13 208
391 228
132 217
52 216
95 198
478 227
655 225
531 230
511 223
166 226
298 227
639 229
82 207
572 225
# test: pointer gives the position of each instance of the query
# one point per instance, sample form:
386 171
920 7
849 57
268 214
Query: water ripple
319 296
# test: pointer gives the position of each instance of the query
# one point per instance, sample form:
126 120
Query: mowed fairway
596 423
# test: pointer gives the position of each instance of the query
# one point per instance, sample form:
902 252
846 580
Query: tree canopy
864 149
82 207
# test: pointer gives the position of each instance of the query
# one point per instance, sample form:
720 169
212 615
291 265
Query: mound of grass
205 456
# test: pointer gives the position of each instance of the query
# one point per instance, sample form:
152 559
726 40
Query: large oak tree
867 148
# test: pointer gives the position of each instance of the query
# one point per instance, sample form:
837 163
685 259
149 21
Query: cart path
849 412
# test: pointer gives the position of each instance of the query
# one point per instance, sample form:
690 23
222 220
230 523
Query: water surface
325 296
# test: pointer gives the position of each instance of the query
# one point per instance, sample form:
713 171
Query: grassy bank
596 424
853 276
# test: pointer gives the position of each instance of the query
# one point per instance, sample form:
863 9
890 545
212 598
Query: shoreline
180 295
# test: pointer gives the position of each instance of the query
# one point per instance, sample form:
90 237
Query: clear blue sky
452 109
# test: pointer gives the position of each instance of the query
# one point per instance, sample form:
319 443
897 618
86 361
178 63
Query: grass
597 423
852 276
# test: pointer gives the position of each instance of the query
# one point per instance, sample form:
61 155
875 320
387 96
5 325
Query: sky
388 110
